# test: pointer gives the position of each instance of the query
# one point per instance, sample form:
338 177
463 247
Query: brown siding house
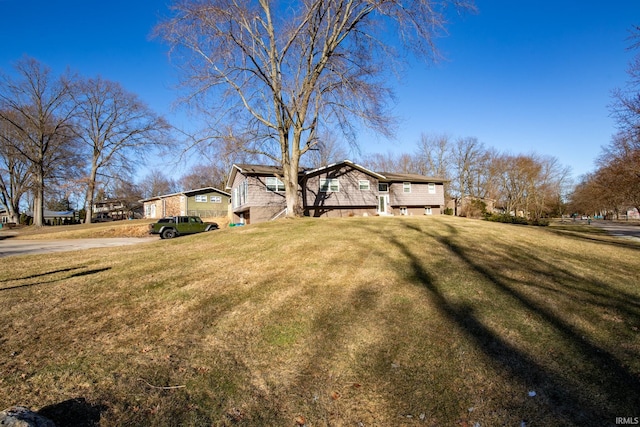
340 189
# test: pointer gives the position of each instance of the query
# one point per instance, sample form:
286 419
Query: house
115 209
339 189
205 202
4 217
56 217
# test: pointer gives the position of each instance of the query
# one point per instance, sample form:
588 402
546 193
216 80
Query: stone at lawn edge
19 416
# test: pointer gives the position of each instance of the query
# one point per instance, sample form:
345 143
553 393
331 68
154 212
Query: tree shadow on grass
596 237
74 413
618 388
77 274
33 276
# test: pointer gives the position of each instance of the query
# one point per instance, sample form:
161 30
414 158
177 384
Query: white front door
383 201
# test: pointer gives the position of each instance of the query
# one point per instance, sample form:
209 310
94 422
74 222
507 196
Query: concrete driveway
618 229
12 247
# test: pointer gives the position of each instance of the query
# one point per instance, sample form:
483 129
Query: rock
19 416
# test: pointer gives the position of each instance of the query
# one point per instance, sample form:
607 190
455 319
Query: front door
383 201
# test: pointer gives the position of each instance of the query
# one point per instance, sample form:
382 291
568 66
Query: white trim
347 162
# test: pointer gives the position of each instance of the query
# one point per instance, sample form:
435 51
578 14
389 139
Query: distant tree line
529 185
67 134
614 186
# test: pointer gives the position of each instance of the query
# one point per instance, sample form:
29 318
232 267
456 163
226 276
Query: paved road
631 231
12 247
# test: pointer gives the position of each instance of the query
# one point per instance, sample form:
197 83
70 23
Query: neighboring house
205 202
340 189
4 216
114 209
57 217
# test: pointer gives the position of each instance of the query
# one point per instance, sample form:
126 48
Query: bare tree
530 184
626 106
37 109
619 162
15 173
471 170
200 176
284 72
619 167
392 162
156 183
328 150
116 128
434 154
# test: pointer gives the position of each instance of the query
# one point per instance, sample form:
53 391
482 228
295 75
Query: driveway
12 247
630 231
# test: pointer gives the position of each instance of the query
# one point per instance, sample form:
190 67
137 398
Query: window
216 199
240 194
363 184
427 211
406 187
201 198
274 184
432 188
329 185
383 187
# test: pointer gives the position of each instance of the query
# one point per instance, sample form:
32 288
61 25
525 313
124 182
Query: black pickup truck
173 226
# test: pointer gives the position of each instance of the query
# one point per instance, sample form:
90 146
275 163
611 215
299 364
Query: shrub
510 219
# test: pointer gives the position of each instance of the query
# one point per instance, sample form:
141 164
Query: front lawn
434 321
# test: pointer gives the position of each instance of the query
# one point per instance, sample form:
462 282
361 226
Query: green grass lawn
434 321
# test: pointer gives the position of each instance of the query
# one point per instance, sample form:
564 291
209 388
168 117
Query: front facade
340 189
205 202
114 209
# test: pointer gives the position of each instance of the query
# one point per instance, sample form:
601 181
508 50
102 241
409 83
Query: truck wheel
168 233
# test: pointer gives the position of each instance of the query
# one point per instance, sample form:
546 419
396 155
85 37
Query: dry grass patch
379 321
129 228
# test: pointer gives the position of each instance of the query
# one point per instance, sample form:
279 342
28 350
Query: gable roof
346 162
268 170
246 169
187 193
410 177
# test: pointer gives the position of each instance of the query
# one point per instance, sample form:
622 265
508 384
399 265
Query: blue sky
522 76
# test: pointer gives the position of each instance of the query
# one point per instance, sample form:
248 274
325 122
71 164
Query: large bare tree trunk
38 198
280 78
294 207
91 191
